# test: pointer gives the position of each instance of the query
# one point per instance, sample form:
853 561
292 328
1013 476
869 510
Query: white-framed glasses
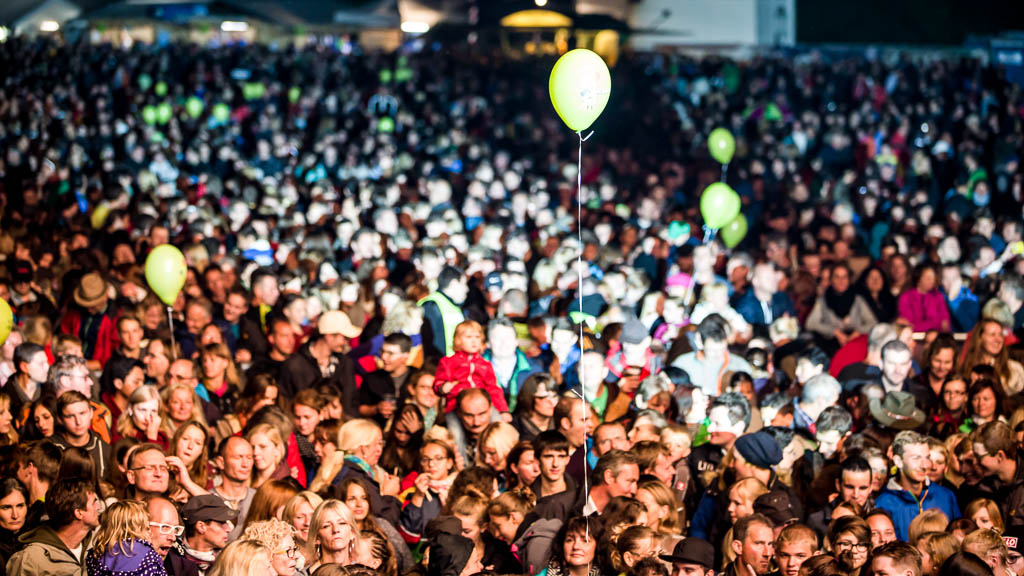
168 528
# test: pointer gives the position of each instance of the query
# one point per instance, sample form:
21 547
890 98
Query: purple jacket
144 561
925 311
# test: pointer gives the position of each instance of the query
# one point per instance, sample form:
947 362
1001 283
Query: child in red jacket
466 368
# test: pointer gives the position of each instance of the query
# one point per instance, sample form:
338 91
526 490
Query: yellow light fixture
536 19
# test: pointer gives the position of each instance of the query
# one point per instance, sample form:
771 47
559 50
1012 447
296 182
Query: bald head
164 524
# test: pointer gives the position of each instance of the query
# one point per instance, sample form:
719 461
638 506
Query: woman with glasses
535 406
632 546
333 537
298 513
279 537
121 545
952 410
850 539
435 478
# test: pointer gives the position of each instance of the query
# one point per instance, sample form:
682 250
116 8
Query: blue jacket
904 507
964 309
750 308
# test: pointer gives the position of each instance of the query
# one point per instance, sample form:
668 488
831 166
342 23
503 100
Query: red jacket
107 339
468 371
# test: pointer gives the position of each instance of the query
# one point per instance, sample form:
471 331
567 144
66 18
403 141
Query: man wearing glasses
147 472
164 526
208 522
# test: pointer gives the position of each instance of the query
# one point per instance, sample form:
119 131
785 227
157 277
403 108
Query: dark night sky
905 21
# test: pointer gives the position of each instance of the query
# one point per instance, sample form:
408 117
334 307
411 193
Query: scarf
840 302
358 462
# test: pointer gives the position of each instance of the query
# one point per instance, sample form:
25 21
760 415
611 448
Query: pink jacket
925 311
468 371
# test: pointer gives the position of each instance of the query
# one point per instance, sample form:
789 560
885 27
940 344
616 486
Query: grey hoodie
533 548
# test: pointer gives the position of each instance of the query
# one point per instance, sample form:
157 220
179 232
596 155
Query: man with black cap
208 522
23 296
691 557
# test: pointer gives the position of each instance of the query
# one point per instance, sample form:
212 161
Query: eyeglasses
169 528
153 468
858 546
428 461
289 552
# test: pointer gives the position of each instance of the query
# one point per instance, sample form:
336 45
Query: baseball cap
692 551
21 271
337 322
207 508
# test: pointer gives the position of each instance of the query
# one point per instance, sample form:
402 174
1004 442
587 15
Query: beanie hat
759 449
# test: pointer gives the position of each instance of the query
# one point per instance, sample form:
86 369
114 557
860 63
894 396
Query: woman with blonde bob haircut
279 537
333 537
298 513
243 558
360 445
124 533
496 441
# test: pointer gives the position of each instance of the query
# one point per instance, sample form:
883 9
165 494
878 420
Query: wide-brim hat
897 410
91 291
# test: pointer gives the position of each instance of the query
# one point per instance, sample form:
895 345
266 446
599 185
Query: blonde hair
939 545
749 489
931 520
270 533
197 403
675 434
352 435
239 559
988 541
317 522
272 434
144 393
462 328
124 522
473 504
37 329
12 435
291 508
520 500
663 495
993 512
501 436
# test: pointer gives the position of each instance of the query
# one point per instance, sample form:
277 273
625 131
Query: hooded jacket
45 554
904 506
533 547
143 561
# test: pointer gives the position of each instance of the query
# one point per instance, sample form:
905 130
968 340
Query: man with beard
236 461
208 525
910 492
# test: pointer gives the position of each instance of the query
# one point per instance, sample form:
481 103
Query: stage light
49 26
541 3
230 26
414 27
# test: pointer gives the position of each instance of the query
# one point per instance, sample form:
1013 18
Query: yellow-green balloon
99 215
734 232
164 113
722 145
579 86
719 204
165 272
194 106
221 112
149 115
161 88
6 321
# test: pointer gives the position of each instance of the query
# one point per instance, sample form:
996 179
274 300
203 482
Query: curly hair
124 523
271 533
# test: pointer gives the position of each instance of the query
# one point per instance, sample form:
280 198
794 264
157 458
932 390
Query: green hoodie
45 554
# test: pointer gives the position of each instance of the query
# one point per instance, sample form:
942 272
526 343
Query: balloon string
579 293
725 171
170 321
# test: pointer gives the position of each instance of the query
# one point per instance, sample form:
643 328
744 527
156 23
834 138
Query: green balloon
719 204
145 82
260 89
157 136
194 107
734 232
579 87
164 113
386 125
385 76
149 115
161 88
722 145
293 94
165 272
403 75
221 112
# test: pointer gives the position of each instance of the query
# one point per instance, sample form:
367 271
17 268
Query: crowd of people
386 358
